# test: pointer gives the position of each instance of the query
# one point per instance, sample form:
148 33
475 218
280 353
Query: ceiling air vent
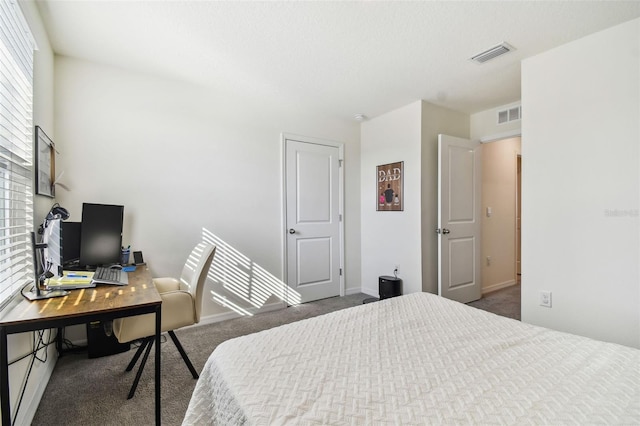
491 53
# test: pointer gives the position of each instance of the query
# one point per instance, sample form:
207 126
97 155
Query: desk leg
158 329
4 379
59 341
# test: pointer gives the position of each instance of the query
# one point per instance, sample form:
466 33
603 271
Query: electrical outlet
545 298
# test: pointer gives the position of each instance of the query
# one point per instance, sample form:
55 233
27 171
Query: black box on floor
389 287
99 344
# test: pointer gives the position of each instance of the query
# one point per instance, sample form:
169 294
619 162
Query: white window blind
16 150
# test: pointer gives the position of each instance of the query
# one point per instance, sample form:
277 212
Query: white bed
416 359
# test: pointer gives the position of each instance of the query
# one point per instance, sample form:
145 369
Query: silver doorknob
292 231
445 231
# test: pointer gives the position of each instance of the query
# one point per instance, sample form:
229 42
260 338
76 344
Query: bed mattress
416 359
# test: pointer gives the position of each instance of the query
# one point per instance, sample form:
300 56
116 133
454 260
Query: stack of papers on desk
71 280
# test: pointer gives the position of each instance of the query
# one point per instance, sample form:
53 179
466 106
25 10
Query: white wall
391 238
183 159
581 186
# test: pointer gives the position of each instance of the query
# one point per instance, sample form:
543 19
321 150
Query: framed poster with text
389 196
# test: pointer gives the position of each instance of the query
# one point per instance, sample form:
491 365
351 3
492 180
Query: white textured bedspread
416 359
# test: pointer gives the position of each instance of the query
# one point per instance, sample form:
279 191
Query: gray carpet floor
505 302
86 391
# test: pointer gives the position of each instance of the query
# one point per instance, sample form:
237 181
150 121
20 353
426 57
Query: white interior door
313 213
459 219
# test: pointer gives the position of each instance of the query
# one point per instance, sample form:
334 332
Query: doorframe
283 173
497 137
519 213
500 136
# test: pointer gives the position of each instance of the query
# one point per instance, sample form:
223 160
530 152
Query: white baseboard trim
350 291
498 286
370 292
211 319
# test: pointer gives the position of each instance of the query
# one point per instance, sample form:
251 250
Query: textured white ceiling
341 58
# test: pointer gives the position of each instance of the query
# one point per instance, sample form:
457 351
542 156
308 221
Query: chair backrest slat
195 271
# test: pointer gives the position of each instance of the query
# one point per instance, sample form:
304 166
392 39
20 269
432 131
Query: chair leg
139 373
143 345
186 359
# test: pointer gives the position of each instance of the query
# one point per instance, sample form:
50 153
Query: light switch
488 211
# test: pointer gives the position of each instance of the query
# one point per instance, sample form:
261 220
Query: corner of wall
390 238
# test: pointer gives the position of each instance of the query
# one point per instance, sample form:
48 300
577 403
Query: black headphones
56 212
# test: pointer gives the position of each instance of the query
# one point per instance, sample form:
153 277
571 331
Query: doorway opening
501 227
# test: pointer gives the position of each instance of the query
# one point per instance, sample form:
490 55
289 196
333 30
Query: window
16 146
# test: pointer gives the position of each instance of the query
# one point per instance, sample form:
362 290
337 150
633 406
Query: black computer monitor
100 234
70 242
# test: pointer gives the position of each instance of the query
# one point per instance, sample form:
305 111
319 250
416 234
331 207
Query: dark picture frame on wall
45 164
389 184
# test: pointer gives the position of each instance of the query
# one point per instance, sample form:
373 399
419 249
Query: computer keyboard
113 276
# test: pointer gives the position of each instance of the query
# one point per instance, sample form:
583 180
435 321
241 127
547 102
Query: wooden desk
101 303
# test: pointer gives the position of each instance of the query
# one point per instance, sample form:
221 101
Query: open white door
313 231
459 219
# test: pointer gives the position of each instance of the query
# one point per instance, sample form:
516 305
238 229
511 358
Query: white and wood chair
181 306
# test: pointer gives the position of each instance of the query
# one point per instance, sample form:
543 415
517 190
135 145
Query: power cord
69 345
136 343
38 345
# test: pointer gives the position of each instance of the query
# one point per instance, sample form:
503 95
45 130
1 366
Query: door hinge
340 271
340 163
340 217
